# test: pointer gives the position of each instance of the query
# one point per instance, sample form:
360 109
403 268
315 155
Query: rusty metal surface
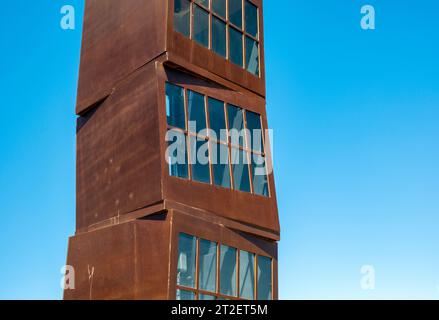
121 36
121 163
239 206
204 228
129 210
138 259
121 262
118 38
180 47
118 152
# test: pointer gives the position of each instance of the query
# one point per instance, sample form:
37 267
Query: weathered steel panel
118 38
118 152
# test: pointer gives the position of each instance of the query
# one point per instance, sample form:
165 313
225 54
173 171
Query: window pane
251 19
236 125
208 265
177 154
186 260
255 130
240 170
182 16
220 165
219 37
185 295
175 106
246 275
259 175
206 297
252 56
201 26
196 112
235 12
200 159
264 278
219 7
228 271
217 119
203 2
235 44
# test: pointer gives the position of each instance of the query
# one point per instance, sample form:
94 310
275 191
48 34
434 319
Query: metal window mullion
250 169
243 16
251 36
229 146
180 287
218 275
216 15
261 123
210 30
188 142
256 276
244 51
191 19
171 128
229 52
247 141
238 273
264 154
259 153
248 154
272 278
197 265
209 148
259 22
266 175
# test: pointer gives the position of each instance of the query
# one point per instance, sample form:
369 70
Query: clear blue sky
355 118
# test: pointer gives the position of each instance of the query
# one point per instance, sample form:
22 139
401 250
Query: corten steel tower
147 227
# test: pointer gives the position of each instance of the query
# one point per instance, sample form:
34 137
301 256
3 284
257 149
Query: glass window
251 19
182 16
207 265
185 295
252 56
199 153
175 106
209 28
210 156
259 175
236 125
246 275
203 2
240 170
219 7
254 126
254 272
217 119
206 297
264 278
220 165
186 261
177 154
201 26
235 45
196 112
219 37
235 12
228 271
